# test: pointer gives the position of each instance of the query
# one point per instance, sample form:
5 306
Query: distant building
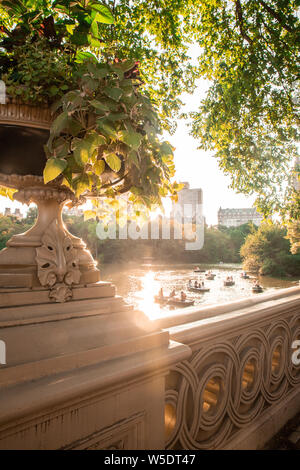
74 211
18 214
8 213
236 217
188 203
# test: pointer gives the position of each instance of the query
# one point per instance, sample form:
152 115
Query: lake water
139 285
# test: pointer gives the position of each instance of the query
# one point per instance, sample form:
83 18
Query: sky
200 169
197 167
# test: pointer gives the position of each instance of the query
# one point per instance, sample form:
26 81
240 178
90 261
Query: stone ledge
23 403
12 297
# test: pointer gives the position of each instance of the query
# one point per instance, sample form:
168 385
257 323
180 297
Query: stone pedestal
83 374
47 255
83 369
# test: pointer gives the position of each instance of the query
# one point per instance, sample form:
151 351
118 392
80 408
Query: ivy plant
104 139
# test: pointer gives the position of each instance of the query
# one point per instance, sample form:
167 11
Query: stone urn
47 256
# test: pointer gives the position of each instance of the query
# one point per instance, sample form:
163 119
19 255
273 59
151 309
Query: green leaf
94 42
54 167
136 191
133 156
84 149
59 123
113 92
117 116
94 29
104 15
113 161
132 139
106 128
81 153
82 184
166 148
74 127
82 56
99 105
70 28
99 167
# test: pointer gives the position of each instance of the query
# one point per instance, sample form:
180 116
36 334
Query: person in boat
161 293
173 293
182 296
196 284
202 284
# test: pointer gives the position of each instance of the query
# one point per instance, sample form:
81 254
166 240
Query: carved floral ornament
58 265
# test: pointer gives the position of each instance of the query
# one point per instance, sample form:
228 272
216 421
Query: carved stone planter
47 255
83 369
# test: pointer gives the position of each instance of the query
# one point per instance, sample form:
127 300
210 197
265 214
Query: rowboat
210 277
229 283
198 289
245 276
180 303
257 289
199 270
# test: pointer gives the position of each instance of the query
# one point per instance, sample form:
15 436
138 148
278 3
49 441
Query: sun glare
145 296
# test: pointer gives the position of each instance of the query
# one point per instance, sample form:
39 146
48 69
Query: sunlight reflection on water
139 285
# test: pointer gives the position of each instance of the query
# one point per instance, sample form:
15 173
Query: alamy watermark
296 353
186 223
2 353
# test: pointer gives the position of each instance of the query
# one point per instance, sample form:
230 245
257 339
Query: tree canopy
250 54
267 251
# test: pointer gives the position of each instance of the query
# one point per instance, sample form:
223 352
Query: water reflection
145 296
139 285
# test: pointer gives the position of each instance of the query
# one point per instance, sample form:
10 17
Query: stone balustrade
239 386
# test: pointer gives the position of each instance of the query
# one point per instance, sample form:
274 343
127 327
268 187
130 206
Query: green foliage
10 226
105 137
267 251
58 21
144 31
237 236
41 76
218 246
250 52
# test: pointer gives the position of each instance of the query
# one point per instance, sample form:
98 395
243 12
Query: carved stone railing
240 386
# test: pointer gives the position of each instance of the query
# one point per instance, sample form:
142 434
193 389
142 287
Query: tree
237 237
149 31
105 138
250 52
267 252
10 226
